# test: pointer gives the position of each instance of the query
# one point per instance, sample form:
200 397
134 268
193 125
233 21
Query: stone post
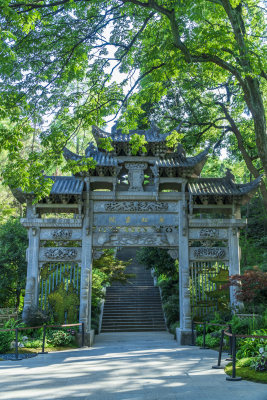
234 262
32 284
86 265
184 332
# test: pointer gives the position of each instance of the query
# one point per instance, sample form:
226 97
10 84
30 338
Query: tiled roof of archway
221 187
101 158
152 135
67 185
183 161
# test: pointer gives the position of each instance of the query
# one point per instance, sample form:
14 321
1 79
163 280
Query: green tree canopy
59 57
13 265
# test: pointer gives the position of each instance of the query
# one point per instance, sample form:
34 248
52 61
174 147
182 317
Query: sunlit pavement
125 366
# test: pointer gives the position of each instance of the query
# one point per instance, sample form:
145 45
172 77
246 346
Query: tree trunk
252 169
254 101
18 291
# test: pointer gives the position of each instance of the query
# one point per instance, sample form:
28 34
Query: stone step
138 311
136 294
131 287
134 329
121 300
134 306
131 308
132 296
132 326
129 320
116 324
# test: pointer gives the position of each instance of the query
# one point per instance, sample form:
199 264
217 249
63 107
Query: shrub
250 347
245 362
5 341
260 363
60 338
173 327
246 325
33 344
36 317
210 341
171 309
251 286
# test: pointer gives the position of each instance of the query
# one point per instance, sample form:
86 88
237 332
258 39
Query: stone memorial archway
155 198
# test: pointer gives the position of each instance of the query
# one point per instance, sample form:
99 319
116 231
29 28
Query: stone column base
184 336
88 338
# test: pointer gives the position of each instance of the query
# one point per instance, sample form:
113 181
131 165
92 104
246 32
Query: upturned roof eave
222 187
152 135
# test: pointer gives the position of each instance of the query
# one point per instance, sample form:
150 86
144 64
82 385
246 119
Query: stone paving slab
124 366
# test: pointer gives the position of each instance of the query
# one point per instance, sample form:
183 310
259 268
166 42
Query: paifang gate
155 198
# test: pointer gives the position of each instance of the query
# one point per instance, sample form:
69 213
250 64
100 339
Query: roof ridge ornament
179 152
229 175
91 150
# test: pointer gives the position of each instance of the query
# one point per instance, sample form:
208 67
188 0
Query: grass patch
24 350
247 373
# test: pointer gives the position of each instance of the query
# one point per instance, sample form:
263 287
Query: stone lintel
103 179
209 253
208 233
172 180
68 254
57 205
51 222
60 234
124 195
218 223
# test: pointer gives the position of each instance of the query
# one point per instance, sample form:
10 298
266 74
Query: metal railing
16 330
232 341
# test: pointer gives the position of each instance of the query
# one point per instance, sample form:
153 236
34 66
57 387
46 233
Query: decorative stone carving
209 252
173 253
136 176
30 287
208 233
97 254
61 253
207 243
180 153
136 206
185 221
169 229
132 239
204 199
155 171
64 234
137 239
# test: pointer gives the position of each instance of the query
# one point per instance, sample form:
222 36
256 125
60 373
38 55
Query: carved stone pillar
184 332
234 261
32 283
86 265
32 255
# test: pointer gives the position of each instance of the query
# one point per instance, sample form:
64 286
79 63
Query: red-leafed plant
251 287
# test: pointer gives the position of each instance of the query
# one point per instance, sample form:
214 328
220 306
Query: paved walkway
124 366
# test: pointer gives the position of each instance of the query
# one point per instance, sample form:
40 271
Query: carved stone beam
173 253
97 254
155 171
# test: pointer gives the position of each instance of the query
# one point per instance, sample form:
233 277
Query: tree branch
134 86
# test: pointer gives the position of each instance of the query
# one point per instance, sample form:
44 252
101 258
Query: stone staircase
136 305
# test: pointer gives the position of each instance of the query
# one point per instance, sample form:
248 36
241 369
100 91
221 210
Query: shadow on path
124 366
